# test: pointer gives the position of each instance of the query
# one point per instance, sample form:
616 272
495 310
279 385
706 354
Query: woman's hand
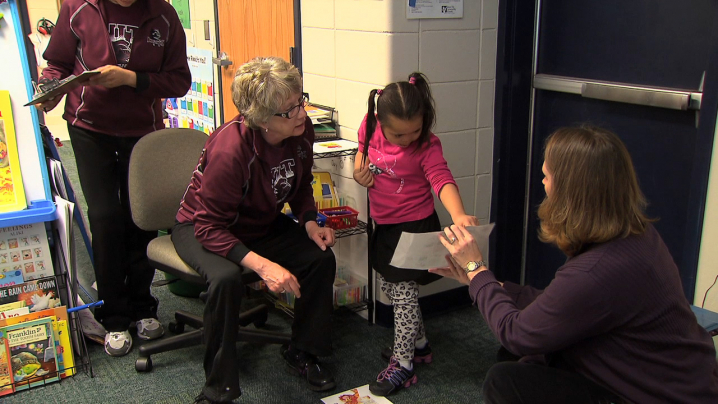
364 177
112 76
323 236
461 245
50 104
453 271
278 279
465 220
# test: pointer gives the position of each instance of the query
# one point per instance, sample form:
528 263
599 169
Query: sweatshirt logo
122 37
155 38
280 179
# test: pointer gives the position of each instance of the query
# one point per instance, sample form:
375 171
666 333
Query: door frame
513 117
296 54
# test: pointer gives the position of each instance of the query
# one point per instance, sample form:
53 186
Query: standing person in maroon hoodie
139 48
614 325
231 216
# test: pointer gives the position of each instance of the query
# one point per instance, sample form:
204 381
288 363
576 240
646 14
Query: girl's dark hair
402 100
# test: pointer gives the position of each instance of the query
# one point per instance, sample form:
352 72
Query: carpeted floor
463 346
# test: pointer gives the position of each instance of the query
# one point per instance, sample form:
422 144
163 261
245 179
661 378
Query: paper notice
424 250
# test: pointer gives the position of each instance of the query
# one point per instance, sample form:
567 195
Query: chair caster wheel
143 364
176 328
261 320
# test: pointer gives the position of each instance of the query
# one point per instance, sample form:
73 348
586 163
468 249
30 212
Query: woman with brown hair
614 324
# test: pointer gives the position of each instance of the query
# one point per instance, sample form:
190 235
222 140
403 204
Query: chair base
257 316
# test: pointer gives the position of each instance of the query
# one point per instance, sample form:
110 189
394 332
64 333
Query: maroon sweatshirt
241 184
150 40
615 314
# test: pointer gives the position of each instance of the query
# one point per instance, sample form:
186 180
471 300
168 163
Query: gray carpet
463 346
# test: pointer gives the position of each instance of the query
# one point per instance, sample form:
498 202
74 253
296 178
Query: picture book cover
25 248
38 294
12 193
359 395
32 353
65 354
6 381
60 313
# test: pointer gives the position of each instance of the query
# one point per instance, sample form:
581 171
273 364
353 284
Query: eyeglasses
294 111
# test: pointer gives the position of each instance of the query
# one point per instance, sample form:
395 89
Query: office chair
161 165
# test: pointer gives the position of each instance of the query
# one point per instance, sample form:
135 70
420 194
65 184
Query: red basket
341 217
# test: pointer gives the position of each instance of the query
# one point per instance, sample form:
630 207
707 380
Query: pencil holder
341 217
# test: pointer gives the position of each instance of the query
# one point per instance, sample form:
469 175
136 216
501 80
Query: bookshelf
338 148
40 215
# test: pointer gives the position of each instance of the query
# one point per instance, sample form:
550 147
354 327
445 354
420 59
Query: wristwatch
475 265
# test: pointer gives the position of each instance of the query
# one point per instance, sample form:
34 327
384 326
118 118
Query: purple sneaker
393 378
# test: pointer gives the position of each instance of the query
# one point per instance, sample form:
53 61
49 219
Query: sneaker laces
394 373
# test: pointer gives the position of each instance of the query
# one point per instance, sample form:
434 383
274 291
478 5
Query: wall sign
416 9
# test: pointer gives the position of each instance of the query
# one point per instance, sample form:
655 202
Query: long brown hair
594 196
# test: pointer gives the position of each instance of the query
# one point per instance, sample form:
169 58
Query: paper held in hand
61 87
424 250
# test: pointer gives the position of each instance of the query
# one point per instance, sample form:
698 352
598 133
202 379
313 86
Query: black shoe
202 399
306 365
422 355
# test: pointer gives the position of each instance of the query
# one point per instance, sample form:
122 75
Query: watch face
472 266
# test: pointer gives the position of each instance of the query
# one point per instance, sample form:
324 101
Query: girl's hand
323 236
364 177
465 220
461 245
114 76
453 271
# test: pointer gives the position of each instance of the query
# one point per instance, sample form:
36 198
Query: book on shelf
37 294
7 385
65 354
25 248
12 190
32 352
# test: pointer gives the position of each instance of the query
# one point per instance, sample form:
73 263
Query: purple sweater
241 184
615 314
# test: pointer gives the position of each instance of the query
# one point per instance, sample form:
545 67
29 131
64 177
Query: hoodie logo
155 38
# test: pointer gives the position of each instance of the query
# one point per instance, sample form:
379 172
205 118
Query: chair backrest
161 165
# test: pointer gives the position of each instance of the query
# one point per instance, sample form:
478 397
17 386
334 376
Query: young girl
400 162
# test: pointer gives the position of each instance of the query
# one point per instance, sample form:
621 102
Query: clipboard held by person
54 88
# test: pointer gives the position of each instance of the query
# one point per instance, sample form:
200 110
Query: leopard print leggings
408 322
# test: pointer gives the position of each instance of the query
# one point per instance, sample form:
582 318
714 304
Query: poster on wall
416 9
196 109
12 191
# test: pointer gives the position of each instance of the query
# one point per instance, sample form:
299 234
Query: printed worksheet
424 250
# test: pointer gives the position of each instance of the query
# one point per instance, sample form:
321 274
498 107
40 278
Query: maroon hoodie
157 53
241 184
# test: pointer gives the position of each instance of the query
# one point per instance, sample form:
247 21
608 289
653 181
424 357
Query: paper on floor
359 395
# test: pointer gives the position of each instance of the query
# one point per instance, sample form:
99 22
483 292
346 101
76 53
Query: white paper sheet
359 395
424 250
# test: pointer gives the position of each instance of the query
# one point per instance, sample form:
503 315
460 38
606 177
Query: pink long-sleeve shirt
403 179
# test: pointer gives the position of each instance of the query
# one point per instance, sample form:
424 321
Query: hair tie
412 80
379 92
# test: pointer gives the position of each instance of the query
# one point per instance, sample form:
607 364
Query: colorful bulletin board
196 109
